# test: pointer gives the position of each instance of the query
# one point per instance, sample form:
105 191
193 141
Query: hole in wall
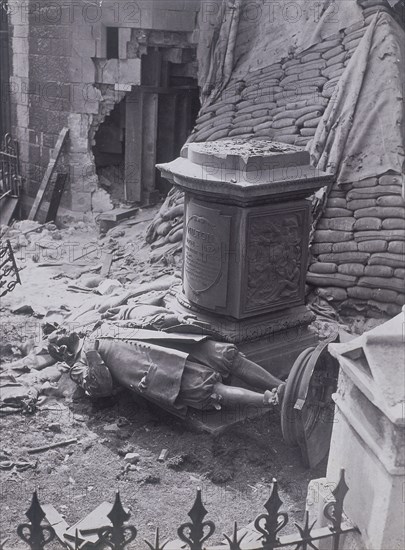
109 153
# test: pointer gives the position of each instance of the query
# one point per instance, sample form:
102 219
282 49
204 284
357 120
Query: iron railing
10 179
194 534
9 276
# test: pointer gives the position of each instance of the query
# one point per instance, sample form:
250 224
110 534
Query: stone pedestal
368 435
245 247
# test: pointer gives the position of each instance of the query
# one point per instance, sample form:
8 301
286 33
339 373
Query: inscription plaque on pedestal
205 268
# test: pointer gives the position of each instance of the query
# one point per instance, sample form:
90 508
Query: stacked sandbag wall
359 247
283 101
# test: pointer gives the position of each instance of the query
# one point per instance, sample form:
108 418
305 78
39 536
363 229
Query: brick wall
58 67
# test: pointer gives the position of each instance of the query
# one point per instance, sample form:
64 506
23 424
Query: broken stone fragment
132 458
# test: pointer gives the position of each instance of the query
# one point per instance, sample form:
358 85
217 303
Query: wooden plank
133 146
149 127
118 214
105 269
88 526
8 206
54 519
56 197
49 172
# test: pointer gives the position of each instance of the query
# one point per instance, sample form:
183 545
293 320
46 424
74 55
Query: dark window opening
112 42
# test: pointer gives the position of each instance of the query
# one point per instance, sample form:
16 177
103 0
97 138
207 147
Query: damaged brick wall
61 77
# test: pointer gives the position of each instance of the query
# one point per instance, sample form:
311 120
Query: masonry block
81 202
115 71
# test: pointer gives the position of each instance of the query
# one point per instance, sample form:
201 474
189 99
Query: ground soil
234 469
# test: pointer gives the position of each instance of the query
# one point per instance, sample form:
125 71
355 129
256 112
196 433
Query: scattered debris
125 449
150 479
163 455
132 458
52 446
55 427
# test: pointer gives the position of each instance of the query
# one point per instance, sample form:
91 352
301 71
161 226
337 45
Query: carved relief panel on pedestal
276 259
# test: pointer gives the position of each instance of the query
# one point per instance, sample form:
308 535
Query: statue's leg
232 397
253 374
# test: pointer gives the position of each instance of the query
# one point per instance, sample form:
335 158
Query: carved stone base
273 340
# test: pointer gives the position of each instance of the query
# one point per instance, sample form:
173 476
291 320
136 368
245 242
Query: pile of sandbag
284 101
359 246
165 233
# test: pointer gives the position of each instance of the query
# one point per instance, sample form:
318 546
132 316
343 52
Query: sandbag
332 236
333 70
312 115
387 258
337 193
225 109
381 212
360 203
283 123
397 247
305 57
393 223
378 282
368 182
373 192
345 257
360 293
298 113
341 224
219 134
321 248
391 179
391 200
289 79
378 271
286 138
389 235
399 272
384 295
300 68
332 279
333 52
373 246
307 131
339 58
337 202
337 213
357 270
323 267
350 246
365 224
241 131
302 86
302 141
352 45
349 36
324 46
312 123
260 113
332 293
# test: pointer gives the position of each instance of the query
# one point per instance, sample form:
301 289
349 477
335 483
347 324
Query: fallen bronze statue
176 371
180 371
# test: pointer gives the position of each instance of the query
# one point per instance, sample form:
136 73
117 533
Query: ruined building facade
76 64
